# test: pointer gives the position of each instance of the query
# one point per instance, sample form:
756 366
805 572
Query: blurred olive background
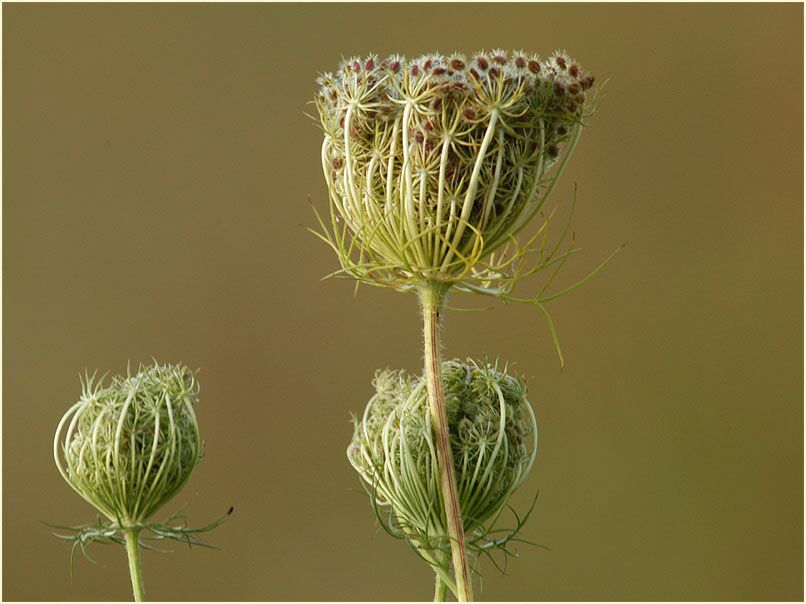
157 163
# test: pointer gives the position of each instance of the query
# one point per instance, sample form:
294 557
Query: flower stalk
432 299
135 567
440 588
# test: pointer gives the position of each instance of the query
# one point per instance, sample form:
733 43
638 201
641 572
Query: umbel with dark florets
434 164
493 435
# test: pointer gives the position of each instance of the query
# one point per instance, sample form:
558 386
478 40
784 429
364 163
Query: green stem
135 569
432 299
440 586
440 590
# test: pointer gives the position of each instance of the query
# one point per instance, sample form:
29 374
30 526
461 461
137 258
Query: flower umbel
128 447
435 164
493 435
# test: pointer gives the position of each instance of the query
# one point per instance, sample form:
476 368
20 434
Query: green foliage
104 532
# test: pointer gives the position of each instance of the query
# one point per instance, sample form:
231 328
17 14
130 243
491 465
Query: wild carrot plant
435 169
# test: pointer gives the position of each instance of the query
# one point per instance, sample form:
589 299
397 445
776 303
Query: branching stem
432 299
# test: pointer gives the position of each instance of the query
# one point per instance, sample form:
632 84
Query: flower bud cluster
493 436
129 446
434 162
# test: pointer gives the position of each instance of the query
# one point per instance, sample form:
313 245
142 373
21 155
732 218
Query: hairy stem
135 569
432 299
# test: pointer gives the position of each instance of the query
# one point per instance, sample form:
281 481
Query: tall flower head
434 164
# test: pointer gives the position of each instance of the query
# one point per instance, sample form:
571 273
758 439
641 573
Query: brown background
156 168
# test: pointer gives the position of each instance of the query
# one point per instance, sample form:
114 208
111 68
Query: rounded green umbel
127 447
493 437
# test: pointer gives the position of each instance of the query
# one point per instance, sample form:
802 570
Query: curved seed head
434 163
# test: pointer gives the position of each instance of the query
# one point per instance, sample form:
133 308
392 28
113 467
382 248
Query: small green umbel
493 438
128 447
